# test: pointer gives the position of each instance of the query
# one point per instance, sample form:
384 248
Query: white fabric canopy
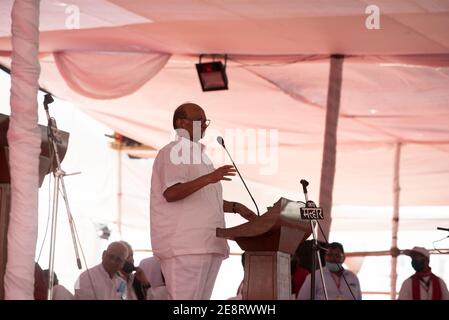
112 75
380 105
395 85
129 64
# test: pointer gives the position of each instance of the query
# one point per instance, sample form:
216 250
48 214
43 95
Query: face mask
334 267
128 267
418 265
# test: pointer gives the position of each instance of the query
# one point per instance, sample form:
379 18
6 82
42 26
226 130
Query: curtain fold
108 75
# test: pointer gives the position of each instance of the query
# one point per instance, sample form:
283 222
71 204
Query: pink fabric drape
108 75
24 148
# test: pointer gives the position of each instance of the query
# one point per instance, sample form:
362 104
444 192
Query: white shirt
96 284
186 226
152 269
157 293
61 293
406 292
337 289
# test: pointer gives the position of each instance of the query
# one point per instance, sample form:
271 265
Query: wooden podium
45 167
268 242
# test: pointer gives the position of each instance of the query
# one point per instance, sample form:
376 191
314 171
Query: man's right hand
222 173
181 190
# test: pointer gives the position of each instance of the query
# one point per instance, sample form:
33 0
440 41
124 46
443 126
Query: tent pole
330 141
24 140
119 192
395 222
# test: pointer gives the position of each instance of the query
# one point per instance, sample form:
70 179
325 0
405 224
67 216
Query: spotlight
103 232
212 74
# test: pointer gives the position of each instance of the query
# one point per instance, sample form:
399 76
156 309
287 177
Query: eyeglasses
205 123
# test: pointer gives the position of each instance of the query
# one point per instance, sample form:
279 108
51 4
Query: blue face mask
334 267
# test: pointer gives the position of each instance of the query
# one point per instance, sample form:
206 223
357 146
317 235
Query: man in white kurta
152 269
61 293
341 284
186 208
102 282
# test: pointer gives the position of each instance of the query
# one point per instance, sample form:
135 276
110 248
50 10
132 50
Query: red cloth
298 278
436 287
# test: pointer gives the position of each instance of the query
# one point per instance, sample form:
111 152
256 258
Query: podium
45 166
45 163
268 242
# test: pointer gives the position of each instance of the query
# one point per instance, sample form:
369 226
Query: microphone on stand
220 140
305 183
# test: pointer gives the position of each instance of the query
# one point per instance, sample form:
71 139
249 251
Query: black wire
439 251
50 152
48 220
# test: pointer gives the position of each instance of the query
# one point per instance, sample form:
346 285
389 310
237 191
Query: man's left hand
245 212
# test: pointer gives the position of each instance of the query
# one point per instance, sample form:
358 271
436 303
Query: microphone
47 100
220 140
305 183
444 229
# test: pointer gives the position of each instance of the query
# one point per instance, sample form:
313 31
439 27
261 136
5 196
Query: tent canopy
129 63
395 83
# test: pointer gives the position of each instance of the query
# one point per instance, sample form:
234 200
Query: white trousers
191 277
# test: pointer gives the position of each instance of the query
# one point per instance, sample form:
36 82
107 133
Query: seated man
341 284
159 291
102 282
423 285
59 291
152 269
135 277
301 263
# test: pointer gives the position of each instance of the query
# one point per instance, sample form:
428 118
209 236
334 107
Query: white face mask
334 267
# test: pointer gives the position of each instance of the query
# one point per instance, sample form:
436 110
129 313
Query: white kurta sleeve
170 172
406 290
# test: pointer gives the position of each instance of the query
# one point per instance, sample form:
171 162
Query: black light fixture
103 231
212 74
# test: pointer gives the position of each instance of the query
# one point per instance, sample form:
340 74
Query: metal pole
119 192
395 224
330 140
59 179
54 216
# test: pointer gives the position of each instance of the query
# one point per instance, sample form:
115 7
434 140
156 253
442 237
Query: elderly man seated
102 282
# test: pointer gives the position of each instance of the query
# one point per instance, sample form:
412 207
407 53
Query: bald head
114 257
184 111
118 247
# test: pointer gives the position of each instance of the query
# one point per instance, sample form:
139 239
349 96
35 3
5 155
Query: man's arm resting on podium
239 208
